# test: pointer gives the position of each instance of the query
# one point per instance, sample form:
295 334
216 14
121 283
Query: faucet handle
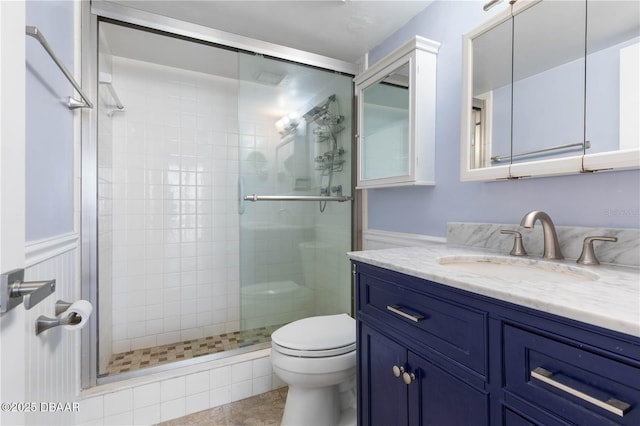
518 247
588 255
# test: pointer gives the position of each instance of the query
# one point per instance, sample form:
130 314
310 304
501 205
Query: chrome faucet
551 246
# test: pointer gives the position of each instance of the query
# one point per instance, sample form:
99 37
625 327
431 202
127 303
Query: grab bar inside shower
340 199
71 102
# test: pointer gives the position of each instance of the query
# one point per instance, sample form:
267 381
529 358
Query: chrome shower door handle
240 195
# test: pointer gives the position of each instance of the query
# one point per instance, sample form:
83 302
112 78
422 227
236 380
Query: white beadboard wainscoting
52 358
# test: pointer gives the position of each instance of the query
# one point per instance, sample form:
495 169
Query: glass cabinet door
385 125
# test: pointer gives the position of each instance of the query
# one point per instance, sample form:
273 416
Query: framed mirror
573 91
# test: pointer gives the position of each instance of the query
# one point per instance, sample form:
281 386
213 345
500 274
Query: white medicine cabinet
396 117
550 88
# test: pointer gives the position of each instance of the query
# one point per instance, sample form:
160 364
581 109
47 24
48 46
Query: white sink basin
518 269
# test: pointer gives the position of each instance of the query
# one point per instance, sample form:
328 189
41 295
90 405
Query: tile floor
151 357
261 410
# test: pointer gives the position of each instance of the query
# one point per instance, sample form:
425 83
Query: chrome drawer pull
612 405
397 309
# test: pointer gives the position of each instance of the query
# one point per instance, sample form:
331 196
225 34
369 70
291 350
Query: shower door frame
90 15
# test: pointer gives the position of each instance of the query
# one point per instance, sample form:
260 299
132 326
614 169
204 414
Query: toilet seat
316 337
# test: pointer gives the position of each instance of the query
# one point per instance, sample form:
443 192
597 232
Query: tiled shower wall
175 227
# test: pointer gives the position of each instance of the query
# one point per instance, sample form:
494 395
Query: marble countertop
611 300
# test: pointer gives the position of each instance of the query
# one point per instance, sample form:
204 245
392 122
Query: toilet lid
327 335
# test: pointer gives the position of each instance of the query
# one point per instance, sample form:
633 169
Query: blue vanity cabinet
475 360
404 376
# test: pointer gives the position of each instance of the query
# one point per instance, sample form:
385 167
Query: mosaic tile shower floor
158 355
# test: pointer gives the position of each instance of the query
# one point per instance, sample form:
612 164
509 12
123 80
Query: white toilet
316 357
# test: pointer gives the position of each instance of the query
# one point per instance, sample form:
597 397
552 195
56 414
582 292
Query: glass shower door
294 146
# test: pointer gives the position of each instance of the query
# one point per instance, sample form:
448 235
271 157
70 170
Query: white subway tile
197 383
122 419
172 389
118 402
173 409
241 372
143 342
146 395
262 367
149 415
220 396
220 377
261 385
167 338
241 390
90 409
95 422
197 402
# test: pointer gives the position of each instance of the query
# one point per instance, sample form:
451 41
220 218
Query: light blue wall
602 199
49 123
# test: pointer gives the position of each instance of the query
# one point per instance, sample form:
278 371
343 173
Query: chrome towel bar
254 197
71 102
499 158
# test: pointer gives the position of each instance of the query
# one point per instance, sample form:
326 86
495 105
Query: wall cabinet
429 354
548 88
396 117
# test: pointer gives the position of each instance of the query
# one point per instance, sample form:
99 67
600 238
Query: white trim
389 62
39 251
399 239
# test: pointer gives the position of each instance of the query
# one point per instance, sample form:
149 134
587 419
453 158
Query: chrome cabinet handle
612 405
397 309
397 371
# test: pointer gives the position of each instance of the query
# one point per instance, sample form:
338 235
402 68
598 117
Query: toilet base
317 407
308 406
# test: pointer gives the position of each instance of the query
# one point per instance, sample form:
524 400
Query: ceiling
340 29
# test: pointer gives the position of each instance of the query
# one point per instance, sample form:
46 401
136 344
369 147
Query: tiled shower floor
158 355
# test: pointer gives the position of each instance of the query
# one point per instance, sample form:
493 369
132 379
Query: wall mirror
550 87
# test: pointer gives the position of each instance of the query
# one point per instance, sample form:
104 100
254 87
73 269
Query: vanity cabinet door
436 397
383 396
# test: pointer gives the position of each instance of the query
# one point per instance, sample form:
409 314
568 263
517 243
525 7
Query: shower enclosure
224 183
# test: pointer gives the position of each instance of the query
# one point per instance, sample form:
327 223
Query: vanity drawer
582 386
455 331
